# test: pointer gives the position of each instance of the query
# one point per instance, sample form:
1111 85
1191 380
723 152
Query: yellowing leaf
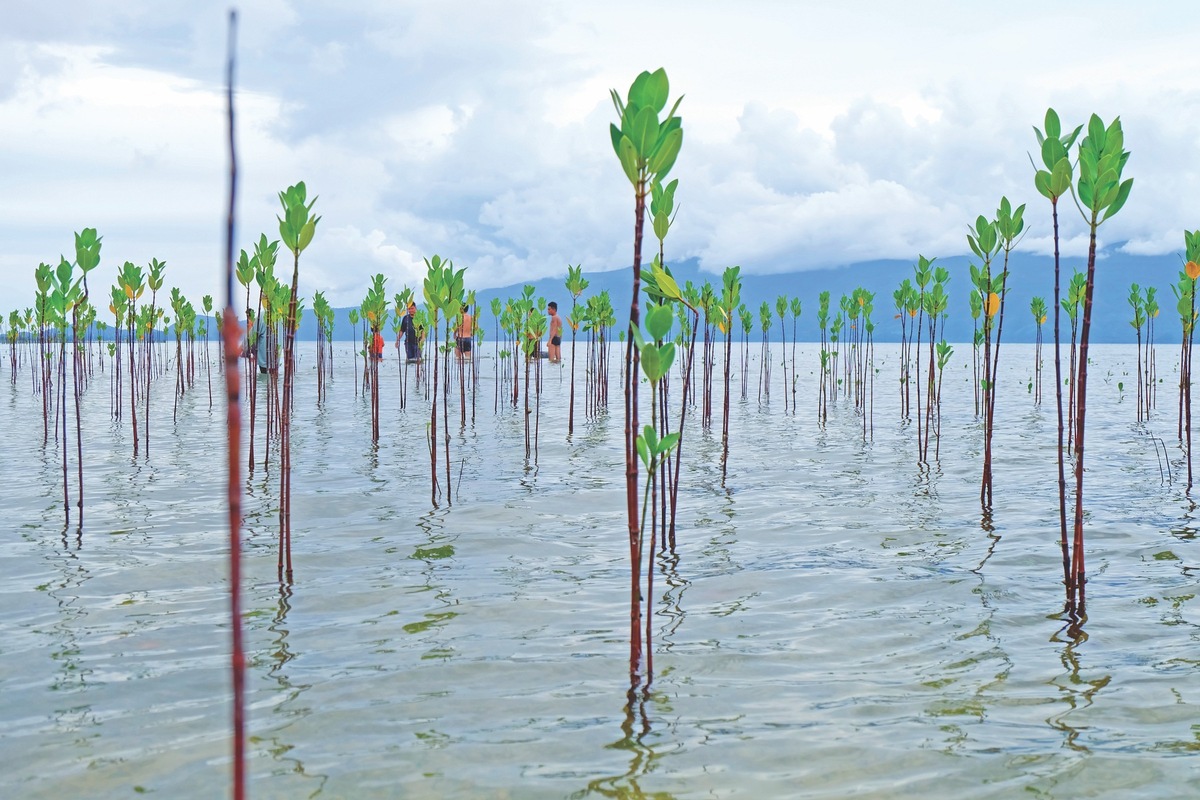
1192 269
993 304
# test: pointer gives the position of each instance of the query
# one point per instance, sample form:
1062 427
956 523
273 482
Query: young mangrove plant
747 320
206 302
576 284
1037 307
1151 362
662 288
823 391
662 216
1073 304
989 239
443 290
796 308
1137 305
1185 293
375 311
866 304
781 308
655 360
976 306
64 294
178 307
1099 193
764 363
87 258
905 300
324 315
935 304
1052 183
154 279
731 290
118 307
922 275
944 351
297 227
133 285
273 300
647 149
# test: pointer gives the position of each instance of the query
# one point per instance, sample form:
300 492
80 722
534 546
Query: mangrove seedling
297 227
647 148
1099 193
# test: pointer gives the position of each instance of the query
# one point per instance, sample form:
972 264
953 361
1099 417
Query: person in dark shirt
408 332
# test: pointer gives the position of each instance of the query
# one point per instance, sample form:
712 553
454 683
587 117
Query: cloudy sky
816 133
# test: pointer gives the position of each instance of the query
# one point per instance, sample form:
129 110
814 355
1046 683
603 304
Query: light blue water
837 621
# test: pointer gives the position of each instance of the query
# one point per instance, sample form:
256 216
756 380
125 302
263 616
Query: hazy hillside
1031 275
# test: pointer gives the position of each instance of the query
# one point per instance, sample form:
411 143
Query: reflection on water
288 705
74 720
835 619
643 757
1078 693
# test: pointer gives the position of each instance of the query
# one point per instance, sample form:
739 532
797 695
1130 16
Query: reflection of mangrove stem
1073 693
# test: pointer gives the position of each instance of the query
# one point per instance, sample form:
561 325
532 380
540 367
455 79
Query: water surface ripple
836 621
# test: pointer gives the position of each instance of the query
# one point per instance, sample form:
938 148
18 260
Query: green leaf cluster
1076 291
662 207
1055 180
655 353
298 225
651 449
645 145
1102 158
443 288
324 313
576 284
1138 305
87 250
375 304
1037 307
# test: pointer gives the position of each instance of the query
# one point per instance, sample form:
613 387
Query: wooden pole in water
231 337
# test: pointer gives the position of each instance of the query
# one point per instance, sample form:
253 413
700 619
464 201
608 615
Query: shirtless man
464 334
554 350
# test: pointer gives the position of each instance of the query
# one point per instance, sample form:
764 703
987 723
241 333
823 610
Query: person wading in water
464 334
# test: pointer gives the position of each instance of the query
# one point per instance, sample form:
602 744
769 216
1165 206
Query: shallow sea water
836 620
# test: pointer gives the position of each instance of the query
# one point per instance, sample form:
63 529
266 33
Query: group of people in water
464 335
266 353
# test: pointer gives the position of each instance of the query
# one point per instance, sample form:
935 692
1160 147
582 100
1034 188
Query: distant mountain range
1029 276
